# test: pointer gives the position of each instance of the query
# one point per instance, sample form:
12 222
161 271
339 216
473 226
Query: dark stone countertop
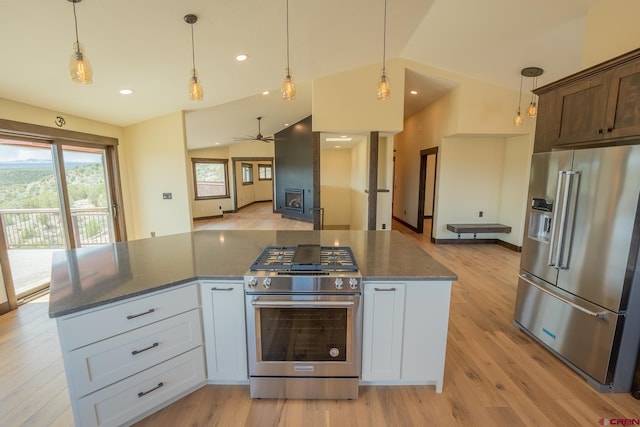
89 277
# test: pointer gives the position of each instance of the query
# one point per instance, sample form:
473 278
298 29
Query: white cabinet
224 331
382 331
128 358
405 332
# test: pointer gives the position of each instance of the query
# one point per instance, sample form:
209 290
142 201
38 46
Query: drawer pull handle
133 316
221 289
142 393
134 352
385 289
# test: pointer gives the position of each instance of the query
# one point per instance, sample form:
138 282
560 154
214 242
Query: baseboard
335 227
4 307
207 217
510 246
249 204
502 243
296 218
409 226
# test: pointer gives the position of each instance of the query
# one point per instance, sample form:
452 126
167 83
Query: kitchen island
155 298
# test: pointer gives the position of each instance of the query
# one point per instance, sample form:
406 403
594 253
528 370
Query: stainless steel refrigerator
579 285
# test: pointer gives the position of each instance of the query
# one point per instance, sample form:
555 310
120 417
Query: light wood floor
494 375
257 216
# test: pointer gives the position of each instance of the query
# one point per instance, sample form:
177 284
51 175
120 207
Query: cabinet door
547 122
623 111
382 331
425 332
582 110
224 331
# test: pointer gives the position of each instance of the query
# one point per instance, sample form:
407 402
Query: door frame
10 129
421 187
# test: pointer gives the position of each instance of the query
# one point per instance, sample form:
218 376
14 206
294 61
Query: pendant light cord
75 19
520 96
193 51
288 72
384 38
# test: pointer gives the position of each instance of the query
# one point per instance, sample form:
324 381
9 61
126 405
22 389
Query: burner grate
282 258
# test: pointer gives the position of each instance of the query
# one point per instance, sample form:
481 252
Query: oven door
304 335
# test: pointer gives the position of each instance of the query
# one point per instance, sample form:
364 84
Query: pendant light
517 120
79 65
196 92
384 90
288 87
533 72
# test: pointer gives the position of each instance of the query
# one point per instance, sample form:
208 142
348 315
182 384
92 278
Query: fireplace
294 200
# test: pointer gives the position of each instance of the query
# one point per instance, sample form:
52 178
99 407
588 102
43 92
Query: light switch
166 196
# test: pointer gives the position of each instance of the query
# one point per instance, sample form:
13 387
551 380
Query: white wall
346 102
157 152
515 177
359 175
611 30
472 172
335 187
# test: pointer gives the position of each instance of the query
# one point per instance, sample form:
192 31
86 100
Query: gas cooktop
305 258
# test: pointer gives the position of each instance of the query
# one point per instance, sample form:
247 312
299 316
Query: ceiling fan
258 137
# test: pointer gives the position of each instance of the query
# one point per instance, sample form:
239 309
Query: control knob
338 282
266 283
353 283
252 282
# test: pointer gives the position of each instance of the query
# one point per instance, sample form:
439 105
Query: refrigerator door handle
598 314
566 224
558 208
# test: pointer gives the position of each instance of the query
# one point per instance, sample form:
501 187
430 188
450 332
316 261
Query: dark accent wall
294 167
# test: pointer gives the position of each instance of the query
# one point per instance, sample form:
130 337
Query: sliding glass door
52 196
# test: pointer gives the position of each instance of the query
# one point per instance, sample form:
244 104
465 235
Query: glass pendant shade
79 66
532 111
517 120
384 89
196 92
288 87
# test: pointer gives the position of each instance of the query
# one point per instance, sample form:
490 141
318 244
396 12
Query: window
210 178
264 172
247 174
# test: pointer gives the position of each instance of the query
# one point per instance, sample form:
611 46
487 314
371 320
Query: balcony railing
42 228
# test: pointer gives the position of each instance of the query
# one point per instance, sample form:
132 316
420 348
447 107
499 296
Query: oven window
303 334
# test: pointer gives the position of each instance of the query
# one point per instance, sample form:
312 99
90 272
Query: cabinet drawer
98 365
124 401
79 330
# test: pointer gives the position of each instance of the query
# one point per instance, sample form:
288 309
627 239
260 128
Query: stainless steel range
304 323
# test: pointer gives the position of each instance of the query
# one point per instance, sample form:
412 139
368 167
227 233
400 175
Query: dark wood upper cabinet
597 106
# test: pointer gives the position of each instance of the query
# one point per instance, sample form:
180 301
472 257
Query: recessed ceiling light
338 146
217 143
242 57
339 139
343 136
266 92
414 92
126 91
286 124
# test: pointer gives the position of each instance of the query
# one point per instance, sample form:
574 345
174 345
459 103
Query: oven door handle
325 304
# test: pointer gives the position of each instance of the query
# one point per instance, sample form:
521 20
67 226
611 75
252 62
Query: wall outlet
384 226
153 234
480 214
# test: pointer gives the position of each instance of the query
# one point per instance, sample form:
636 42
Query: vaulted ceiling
145 45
